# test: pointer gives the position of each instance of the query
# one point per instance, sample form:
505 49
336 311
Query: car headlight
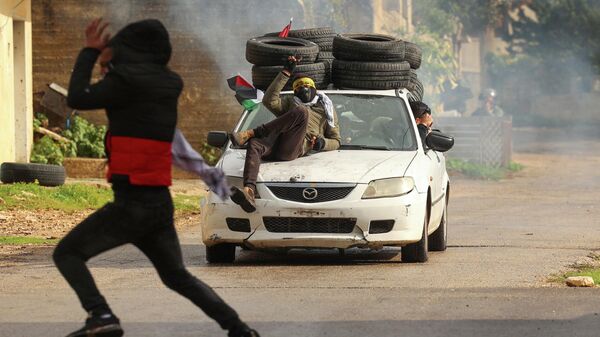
390 187
235 181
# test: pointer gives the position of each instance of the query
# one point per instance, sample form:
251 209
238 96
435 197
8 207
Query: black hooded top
140 95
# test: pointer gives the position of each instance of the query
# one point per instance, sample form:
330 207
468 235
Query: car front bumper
407 212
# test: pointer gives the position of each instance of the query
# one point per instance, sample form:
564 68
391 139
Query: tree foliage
562 36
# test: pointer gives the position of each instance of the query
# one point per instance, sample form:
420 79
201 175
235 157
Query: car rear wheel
417 252
221 253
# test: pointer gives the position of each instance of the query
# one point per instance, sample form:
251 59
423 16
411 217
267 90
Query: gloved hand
318 143
290 65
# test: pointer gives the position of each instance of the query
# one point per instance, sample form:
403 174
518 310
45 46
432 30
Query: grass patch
585 271
479 171
26 240
71 197
187 203
591 269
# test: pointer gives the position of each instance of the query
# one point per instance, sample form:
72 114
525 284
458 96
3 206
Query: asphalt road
506 238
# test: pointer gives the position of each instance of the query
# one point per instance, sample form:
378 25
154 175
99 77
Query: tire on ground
273 51
368 47
418 251
220 253
46 175
262 76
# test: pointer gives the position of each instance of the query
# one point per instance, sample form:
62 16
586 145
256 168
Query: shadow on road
583 326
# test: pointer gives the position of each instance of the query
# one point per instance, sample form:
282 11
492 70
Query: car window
364 121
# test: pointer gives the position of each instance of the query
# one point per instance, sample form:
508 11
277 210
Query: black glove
290 64
319 144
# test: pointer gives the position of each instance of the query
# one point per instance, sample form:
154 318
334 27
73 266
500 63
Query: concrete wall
208 40
16 134
7 99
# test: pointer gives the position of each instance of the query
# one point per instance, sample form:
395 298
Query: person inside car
422 115
306 121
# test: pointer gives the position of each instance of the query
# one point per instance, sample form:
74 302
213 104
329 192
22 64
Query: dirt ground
54 224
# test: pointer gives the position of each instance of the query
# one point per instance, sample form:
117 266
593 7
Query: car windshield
366 122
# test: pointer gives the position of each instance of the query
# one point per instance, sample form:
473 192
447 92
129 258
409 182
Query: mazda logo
309 193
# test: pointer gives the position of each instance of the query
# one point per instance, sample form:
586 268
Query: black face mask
305 94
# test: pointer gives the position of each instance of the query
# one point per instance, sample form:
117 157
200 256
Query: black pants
280 139
144 218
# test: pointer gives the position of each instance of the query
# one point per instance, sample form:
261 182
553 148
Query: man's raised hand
290 65
95 36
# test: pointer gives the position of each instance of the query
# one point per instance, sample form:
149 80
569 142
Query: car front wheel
221 253
439 238
417 252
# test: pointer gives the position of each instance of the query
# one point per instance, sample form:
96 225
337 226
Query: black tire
368 47
416 88
46 175
372 71
221 253
417 252
327 58
438 239
273 51
413 54
373 75
322 36
308 33
263 76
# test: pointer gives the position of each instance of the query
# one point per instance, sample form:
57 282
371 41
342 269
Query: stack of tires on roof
349 61
269 53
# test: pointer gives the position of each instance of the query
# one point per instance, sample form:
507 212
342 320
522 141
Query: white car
380 188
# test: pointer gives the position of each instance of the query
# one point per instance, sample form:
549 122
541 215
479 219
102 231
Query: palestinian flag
286 29
245 93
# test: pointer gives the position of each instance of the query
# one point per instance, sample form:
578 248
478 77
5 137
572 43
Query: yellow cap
303 81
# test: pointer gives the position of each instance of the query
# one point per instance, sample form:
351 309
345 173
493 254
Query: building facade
16 113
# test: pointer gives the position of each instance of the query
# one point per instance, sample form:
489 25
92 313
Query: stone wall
208 40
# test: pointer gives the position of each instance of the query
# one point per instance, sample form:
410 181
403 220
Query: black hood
145 41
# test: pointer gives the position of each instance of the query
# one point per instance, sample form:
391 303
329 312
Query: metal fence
482 140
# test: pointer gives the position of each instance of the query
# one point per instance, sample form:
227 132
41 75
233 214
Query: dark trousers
144 219
279 139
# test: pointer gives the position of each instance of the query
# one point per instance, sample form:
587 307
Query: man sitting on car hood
305 121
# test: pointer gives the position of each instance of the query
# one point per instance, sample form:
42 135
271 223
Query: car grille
309 225
238 224
299 193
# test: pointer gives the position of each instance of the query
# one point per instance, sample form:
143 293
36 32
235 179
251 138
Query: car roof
391 92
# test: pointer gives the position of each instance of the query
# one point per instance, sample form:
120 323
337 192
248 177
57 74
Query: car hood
343 166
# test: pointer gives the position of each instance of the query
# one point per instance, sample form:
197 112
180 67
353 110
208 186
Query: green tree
562 36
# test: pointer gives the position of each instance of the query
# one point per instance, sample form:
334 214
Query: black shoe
243 331
106 325
244 197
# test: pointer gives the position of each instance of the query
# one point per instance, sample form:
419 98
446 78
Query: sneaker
242 137
243 331
106 325
244 197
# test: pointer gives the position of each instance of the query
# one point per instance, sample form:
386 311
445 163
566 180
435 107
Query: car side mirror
217 138
438 141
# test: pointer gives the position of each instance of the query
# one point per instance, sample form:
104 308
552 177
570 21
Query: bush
85 140
479 171
210 154
88 138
